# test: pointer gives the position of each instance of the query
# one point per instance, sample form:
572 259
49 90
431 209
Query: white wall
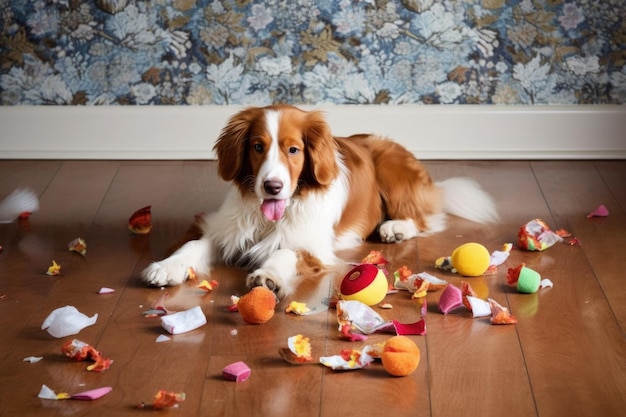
430 132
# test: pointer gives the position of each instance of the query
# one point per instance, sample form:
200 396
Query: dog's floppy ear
321 148
232 143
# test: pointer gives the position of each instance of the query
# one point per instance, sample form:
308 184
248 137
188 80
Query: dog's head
277 152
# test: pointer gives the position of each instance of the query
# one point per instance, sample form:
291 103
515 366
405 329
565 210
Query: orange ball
257 306
400 356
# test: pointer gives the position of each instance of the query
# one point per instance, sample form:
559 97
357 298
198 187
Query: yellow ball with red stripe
365 283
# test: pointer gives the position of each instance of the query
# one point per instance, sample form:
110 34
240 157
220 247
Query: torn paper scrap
546 283
351 359
162 338
46 393
32 359
480 307
66 321
497 258
184 321
418 284
355 314
106 290
78 350
537 236
78 245
300 346
500 314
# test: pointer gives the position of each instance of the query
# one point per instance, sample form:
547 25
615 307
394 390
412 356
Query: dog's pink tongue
273 209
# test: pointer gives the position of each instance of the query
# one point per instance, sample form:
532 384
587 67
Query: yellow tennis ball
470 259
365 283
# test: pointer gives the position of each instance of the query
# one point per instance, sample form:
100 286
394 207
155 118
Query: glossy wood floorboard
565 357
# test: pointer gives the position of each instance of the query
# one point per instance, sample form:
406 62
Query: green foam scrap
528 281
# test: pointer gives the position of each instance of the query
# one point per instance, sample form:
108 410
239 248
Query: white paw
170 271
264 278
397 230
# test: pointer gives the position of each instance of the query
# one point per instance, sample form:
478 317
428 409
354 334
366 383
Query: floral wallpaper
248 52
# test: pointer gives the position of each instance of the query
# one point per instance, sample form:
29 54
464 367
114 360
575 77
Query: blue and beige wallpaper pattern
250 52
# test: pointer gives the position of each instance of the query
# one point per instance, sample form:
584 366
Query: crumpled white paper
184 321
357 360
362 317
367 321
480 307
66 321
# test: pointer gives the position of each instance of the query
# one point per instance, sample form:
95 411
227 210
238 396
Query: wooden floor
566 357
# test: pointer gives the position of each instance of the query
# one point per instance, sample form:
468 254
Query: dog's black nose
272 187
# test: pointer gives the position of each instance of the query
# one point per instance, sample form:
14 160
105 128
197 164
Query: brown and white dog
299 194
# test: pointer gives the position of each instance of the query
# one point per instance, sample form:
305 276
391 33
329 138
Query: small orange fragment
165 399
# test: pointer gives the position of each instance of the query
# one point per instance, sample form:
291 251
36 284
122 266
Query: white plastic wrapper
480 308
66 321
184 321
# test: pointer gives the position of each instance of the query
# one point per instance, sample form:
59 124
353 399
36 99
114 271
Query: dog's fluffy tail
464 197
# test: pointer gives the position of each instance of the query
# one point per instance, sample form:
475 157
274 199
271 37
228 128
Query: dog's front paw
263 278
397 230
165 272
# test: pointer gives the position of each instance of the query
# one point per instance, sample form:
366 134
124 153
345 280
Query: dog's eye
258 147
293 150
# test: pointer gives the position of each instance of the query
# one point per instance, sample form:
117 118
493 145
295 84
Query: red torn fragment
403 273
348 334
140 222
512 275
79 351
466 290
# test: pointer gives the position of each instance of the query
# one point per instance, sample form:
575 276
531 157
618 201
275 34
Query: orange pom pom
257 306
400 356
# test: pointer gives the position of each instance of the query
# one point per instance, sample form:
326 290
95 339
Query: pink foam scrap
91 395
237 371
600 211
417 328
451 299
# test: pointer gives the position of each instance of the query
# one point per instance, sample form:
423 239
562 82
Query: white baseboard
430 132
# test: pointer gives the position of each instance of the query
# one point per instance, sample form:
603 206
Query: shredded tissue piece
20 203
66 321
